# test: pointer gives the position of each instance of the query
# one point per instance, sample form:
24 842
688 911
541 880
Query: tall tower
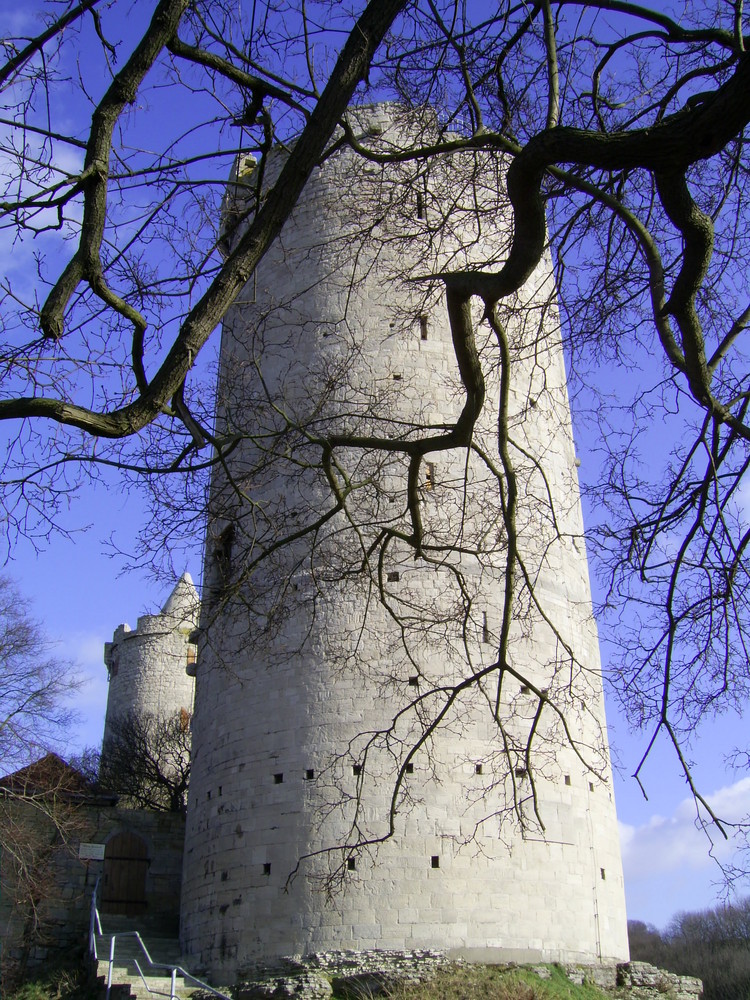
364 773
150 667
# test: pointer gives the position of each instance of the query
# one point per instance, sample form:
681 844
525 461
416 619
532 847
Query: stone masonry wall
319 666
360 975
148 666
63 918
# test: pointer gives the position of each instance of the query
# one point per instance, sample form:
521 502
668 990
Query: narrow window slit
223 555
394 576
435 860
478 769
423 327
356 769
278 779
267 868
351 864
409 769
309 774
414 681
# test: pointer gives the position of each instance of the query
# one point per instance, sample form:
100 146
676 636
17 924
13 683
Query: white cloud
90 702
679 841
742 502
670 862
18 247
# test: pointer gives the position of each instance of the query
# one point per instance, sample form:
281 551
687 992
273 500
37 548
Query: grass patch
494 982
559 987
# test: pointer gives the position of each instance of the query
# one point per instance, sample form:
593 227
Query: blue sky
81 592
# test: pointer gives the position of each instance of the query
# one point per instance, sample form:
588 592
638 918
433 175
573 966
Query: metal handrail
95 931
94 920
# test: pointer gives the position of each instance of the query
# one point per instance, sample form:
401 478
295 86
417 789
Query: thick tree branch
351 67
86 262
55 29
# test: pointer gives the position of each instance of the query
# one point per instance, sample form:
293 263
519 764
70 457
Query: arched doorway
126 863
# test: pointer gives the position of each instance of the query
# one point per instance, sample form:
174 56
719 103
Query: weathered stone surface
412 965
542 971
646 982
303 986
302 663
354 974
147 666
65 912
602 975
362 975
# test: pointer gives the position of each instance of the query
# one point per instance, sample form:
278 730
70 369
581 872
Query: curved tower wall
325 660
147 666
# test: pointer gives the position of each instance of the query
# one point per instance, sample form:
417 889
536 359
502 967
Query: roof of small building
51 775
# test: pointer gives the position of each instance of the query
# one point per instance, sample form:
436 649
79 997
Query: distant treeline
713 945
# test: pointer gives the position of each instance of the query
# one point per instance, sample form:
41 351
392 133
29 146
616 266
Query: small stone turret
149 667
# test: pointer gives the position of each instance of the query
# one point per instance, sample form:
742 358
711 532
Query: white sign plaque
91 852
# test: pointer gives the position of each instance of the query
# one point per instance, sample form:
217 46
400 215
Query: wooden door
126 862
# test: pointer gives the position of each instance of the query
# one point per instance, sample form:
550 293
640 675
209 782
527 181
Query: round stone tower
150 667
379 763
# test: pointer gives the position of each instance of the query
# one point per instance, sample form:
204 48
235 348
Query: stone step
127 982
127 948
152 923
160 939
127 966
161 949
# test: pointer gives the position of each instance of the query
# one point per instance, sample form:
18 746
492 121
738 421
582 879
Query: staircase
162 945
